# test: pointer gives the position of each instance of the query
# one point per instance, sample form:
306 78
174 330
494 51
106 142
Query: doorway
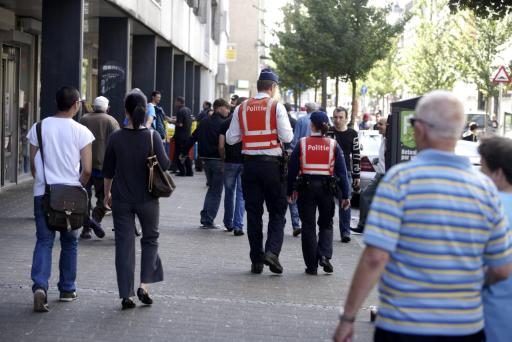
9 113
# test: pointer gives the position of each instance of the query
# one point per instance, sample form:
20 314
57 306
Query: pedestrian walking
320 165
348 140
302 127
102 125
379 165
67 149
261 123
433 224
294 210
207 137
126 191
234 205
365 122
496 153
183 130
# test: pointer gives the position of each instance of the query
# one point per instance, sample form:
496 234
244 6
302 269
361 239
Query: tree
483 8
434 62
487 39
353 37
385 79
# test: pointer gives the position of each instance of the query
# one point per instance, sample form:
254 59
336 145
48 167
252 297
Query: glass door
9 113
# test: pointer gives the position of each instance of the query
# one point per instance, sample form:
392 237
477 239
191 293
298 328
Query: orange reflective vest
317 156
258 124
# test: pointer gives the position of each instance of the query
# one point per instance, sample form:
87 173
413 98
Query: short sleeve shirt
62 141
440 220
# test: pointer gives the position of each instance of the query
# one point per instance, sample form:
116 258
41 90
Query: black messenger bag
65 206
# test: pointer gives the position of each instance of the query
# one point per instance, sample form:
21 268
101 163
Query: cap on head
319 118
100 103
268 75
366 117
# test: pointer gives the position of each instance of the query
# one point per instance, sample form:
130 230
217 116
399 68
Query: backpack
160 122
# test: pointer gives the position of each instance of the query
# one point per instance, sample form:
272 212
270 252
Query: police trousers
312 196
262 183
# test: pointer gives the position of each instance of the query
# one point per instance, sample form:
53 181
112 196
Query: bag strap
40 143
152 151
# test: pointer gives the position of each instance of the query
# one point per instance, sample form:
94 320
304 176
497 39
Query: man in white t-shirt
67 160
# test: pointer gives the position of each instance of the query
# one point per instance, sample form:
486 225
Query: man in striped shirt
435 232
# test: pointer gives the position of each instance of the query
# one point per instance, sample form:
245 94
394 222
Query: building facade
103 47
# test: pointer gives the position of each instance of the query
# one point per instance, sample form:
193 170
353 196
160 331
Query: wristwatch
344 318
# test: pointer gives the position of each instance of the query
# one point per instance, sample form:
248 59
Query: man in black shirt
183 126
207 137
348 140
234 205
294 209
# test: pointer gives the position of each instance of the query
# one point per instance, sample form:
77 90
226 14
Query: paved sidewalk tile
208 293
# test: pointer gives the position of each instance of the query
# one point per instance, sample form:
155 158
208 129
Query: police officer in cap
262 124
320 165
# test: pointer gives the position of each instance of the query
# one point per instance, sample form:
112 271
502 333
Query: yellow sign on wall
231 53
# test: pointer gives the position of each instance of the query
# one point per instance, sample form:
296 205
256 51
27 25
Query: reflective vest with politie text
317 156
258 124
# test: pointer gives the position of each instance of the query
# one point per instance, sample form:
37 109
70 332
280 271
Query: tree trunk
337 92
316 91
295 97
324 90
355 105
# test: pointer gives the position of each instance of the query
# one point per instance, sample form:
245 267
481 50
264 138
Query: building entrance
9 113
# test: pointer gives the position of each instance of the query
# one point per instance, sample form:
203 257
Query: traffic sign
502 76
364 89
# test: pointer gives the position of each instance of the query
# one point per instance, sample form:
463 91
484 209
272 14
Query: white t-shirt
62 141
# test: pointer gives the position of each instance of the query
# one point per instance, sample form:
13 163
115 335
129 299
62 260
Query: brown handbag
160 183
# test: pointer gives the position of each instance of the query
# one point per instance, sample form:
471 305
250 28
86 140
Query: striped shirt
441 221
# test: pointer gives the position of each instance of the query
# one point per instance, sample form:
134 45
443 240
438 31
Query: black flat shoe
127 303
256 268
326 264
144 296
311 271
272 261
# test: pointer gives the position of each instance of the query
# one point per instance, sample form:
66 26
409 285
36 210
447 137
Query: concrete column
189 86
144 63
178 84
164 74
114 41
61 50
197 89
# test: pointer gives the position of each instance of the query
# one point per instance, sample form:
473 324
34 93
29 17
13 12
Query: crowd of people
436 233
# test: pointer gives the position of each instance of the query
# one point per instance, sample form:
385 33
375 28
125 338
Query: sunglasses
412 121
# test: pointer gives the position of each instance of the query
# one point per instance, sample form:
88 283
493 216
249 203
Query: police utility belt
281 160
329 183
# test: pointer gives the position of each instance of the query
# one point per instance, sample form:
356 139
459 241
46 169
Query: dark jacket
207 137
183 117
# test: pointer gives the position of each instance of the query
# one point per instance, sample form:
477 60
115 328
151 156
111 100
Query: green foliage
385 77
434 62
483 8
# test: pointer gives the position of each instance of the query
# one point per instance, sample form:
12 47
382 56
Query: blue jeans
42 260
294 214
345 215
214 171
234 205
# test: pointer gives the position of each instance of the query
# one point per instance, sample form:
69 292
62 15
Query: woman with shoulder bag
126 191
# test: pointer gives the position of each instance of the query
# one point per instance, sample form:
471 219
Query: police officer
320 165
262 124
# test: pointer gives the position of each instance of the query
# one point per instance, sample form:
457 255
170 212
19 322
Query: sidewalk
208 293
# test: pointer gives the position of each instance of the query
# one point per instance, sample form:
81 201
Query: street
208 293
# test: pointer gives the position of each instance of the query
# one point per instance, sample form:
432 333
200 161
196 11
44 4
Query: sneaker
346 239
210 226
67 296
326 264
86 234
40 302
238 232
296 232
96 228
358 230
272 261
127 303
256 268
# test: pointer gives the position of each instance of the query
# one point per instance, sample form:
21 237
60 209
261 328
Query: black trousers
382 335
184 168
99 210
262 183
151 270
316 195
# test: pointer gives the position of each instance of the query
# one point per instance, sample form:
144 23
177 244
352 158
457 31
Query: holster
283 164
